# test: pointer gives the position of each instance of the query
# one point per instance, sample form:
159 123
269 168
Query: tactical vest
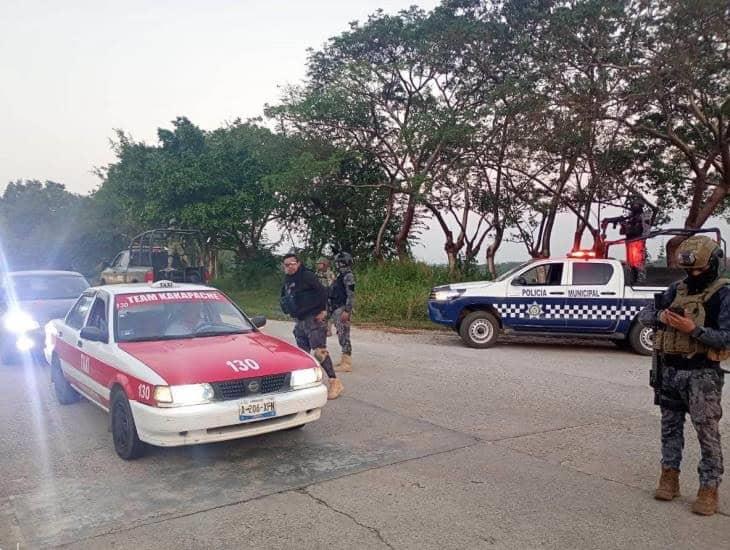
670 340
338 293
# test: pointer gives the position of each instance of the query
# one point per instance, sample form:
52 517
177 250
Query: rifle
657 357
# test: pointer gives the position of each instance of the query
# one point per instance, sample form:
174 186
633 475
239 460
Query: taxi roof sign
164 283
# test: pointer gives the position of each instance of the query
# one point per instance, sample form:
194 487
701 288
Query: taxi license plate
256 409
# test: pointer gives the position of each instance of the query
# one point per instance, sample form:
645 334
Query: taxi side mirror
258 321
94 334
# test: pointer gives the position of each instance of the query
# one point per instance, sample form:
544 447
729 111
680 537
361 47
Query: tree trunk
451 257
492 251
401 240
544 251
378 250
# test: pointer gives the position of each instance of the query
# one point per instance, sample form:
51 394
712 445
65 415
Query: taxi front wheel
479 329
124 432
65 393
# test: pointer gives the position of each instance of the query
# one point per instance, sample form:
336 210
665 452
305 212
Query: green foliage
43 226
219 182
390 294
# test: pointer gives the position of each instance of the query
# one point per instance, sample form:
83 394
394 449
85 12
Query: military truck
159 254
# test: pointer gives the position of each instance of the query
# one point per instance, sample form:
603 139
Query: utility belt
697 361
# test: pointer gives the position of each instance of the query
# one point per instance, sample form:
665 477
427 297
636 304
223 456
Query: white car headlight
304 378
24 343
189 394
17 322
444 295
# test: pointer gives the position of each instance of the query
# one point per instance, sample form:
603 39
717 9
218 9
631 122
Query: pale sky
74 71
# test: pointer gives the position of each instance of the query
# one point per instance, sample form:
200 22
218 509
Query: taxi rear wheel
124 432
641 339
479 329
65 393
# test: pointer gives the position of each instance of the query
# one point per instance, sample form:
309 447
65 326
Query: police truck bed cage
671 231
170 254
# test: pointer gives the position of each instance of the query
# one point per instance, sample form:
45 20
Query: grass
387 295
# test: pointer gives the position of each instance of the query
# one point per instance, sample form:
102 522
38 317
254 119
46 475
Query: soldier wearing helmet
342 300
692 338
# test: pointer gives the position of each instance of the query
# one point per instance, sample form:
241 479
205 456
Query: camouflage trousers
343 331
700 391
311 335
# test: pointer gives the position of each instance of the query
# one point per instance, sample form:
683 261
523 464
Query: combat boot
706 503
335 388
668 484
345 364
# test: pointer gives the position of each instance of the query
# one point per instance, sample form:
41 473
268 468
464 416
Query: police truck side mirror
519 281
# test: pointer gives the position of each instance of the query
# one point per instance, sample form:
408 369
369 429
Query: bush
392 293
396 293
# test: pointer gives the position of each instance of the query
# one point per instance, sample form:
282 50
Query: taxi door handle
79 343
557 293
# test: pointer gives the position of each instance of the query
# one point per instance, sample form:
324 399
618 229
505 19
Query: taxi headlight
17 322
304 378
444 295
189 394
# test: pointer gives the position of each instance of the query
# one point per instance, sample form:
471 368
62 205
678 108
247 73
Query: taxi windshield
175 315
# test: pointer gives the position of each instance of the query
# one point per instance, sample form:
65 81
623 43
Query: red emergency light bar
584 254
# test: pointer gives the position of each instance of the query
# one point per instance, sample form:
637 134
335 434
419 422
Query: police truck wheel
641 339
65 393
479 329
124 432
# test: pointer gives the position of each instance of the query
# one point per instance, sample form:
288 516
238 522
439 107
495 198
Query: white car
179 364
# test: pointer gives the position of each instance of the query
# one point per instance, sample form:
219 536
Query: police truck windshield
175 315
512 271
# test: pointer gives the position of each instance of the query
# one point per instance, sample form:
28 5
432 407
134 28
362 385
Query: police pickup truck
578 296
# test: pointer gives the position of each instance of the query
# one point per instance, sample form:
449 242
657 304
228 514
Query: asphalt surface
532 444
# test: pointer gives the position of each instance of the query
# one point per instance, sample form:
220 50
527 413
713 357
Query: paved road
434 445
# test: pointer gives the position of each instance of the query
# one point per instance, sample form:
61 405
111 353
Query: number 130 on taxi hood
179 364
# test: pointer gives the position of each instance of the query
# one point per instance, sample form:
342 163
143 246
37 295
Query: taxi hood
206 359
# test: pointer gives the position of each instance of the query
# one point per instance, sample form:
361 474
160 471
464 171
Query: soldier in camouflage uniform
692 338
342 300
326 277
324 273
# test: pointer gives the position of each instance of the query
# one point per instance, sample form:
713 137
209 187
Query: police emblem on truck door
534 310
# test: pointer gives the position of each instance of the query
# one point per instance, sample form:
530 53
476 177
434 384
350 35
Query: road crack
324 503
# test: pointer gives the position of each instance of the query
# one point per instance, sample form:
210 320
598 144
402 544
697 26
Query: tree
678 91
218 182
43 226
379 90
333 201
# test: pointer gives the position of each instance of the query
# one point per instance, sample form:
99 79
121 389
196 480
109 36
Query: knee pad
320 354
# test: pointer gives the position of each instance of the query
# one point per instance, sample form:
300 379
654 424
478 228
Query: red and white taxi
179 364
